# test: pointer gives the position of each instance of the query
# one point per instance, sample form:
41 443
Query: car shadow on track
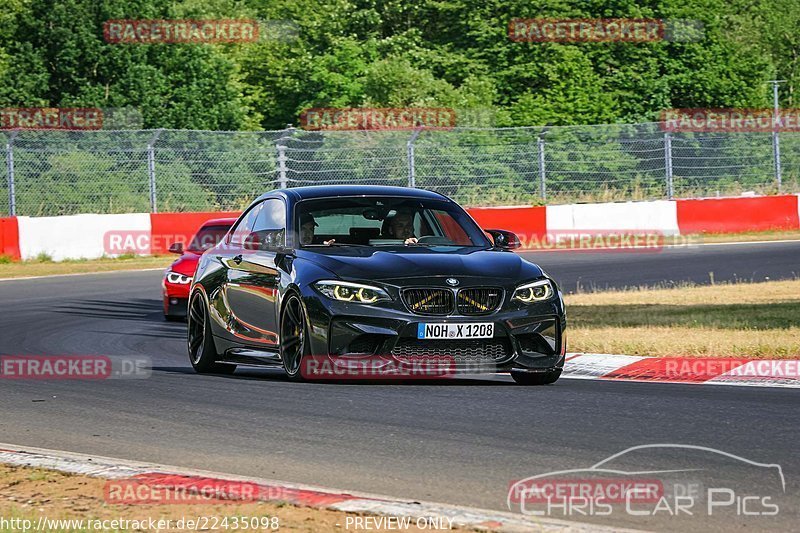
135 309
277 375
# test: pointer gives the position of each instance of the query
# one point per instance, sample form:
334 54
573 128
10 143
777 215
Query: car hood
186 264
375 264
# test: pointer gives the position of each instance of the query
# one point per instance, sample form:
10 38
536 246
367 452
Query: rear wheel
536 378
294 344
202 352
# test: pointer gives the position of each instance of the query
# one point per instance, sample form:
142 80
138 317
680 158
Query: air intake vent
478 301
429 301
461 350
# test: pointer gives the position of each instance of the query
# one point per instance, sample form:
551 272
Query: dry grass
760 320
28 493
45 267
776 235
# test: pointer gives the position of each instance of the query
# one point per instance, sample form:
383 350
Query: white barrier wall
660 215
75 236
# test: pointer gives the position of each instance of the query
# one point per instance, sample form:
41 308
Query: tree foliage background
453 53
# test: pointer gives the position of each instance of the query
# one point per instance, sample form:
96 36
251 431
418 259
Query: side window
451 229
270 226
245 226
272 216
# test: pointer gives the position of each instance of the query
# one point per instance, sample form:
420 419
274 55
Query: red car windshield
207 237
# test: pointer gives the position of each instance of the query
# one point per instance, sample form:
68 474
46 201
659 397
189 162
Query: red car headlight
178 279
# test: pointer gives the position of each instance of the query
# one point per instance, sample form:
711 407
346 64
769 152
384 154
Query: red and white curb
698 370
175 478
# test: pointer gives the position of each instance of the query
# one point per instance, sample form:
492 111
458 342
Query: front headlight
538 291
345 291
178 279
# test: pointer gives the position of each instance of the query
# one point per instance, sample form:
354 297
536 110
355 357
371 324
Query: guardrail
86 235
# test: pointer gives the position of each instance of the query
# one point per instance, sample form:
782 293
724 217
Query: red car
178 277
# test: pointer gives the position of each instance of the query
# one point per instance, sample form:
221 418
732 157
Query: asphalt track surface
461 441
696 264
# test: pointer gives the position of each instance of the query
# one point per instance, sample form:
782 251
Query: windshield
207 238
385 221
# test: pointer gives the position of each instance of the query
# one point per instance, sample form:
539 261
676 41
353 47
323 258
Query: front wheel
294 337
536 378
202 352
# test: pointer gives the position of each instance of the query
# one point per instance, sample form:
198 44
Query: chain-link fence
67 172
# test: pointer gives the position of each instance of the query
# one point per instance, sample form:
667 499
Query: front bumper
525 336
175 307
176 299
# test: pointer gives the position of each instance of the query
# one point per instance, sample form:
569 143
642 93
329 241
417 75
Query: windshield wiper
335 244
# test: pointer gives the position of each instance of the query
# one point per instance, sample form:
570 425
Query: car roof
332 191
220 222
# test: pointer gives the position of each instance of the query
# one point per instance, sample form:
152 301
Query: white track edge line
43 276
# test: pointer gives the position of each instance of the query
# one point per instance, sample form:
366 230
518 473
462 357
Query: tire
294 337
202 351
536 378
174 318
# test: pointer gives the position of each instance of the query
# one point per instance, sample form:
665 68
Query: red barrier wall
736 215
167 228
9 237
526 222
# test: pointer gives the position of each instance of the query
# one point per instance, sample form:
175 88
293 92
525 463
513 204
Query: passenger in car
307 228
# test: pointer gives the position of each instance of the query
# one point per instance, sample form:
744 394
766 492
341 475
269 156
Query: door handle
238 259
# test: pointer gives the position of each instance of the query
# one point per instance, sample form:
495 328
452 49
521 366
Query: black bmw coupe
355 273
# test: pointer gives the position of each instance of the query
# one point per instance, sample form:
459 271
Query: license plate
483 330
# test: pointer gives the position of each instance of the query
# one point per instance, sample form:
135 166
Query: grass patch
760 320
43 265
28 494
754 236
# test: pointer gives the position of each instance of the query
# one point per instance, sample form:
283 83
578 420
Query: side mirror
504 240
176 248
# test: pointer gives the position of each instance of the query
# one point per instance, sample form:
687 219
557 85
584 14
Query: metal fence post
12 195
776 154
411 157
282 180
542 171
668 165
151 170
283 168
776 140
